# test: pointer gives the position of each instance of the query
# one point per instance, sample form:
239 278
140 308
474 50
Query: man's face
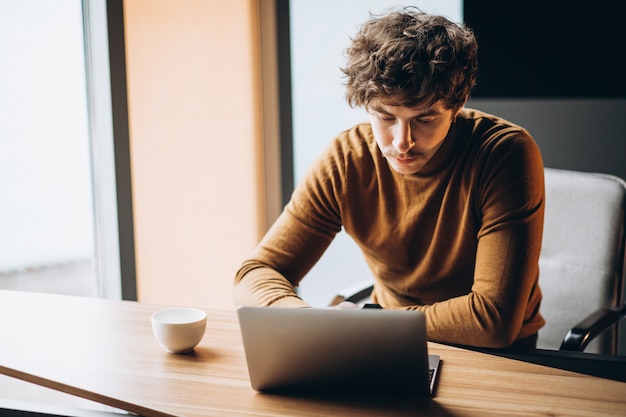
409 136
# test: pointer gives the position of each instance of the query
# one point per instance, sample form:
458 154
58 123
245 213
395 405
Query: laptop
367 351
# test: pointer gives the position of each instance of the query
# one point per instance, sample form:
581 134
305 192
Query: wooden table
104 351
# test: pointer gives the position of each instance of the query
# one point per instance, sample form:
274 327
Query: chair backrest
582 256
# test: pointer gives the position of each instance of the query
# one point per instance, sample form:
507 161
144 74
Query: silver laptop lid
374 351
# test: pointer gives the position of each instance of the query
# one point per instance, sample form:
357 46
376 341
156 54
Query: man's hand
345 305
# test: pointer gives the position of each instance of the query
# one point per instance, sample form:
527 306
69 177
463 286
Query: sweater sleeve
296 240
270 276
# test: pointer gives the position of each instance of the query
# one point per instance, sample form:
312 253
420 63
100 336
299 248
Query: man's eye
385 117
425 121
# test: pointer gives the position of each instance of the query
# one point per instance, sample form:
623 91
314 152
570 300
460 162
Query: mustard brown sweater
459 240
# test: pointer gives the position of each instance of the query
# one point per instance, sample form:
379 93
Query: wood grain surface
104 351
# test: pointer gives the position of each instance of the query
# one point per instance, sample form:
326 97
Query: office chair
581 266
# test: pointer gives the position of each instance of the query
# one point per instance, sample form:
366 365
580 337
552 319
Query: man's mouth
404 159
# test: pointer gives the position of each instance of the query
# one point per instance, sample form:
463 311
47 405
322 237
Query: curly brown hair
409 57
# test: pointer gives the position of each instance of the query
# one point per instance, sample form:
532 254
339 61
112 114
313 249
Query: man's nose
402 138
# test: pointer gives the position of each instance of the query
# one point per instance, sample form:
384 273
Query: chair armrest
354 293
584 332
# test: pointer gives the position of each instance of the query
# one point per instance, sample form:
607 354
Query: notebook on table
371 351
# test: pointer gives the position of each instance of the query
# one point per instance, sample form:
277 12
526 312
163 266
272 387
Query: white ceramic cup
179 329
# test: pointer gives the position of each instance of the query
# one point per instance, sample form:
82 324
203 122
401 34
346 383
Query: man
446 203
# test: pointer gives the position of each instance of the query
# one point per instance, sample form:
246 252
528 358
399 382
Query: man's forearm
263 286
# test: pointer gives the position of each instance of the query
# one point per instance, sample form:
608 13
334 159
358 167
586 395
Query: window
59 217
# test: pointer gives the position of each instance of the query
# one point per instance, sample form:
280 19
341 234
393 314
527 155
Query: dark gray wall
577 134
